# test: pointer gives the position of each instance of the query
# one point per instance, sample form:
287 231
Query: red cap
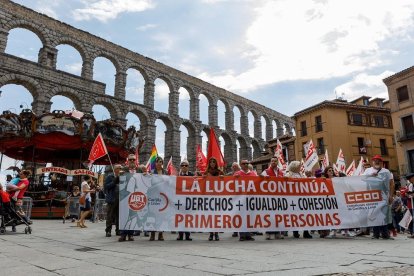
377 157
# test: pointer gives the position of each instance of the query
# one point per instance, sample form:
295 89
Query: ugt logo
137 201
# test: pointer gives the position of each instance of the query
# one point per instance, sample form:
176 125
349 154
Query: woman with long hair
213 170
294 172
86 208
159 169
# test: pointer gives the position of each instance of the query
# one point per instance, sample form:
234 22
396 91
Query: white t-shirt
374 171
85 186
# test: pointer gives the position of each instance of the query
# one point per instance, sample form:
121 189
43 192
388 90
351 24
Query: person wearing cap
111 189
377 169
245 171
410 195
184 171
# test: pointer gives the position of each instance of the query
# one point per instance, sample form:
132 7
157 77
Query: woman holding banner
213 170
159 169
293 171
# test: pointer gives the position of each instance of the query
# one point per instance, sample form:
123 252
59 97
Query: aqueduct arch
44 82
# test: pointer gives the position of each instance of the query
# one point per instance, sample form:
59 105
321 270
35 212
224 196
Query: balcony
402 135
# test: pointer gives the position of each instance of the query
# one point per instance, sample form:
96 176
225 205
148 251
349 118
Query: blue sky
285 54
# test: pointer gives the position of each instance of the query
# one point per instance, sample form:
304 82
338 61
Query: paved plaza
55 248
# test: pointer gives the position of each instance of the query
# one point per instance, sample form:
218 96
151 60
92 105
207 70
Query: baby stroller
11 218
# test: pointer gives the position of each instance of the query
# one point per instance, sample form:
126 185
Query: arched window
134 89
104 71
69 59
23 44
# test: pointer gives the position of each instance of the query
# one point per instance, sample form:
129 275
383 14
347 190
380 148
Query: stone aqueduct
43 81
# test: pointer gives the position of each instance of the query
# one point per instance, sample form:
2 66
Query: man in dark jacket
111 189
184 172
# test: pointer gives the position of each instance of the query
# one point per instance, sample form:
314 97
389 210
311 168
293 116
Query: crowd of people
399 201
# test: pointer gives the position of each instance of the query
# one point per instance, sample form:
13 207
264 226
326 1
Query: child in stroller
8 215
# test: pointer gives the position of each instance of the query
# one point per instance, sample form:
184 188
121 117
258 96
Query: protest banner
231 204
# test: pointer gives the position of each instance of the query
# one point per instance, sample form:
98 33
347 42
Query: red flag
201 160
214 149
170 168
98 149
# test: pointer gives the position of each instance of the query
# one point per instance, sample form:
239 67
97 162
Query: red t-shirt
22 191
5 198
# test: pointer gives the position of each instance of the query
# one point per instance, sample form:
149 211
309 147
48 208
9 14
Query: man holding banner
377 170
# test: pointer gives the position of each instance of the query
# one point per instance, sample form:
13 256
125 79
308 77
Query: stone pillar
212 115
40 107
258 129
229 120
279 131
228 154
148 131
191 151
269 131
48 57
244 125
195 109
173 103
87 69
149 90
120 83
3 40
172 146
245 153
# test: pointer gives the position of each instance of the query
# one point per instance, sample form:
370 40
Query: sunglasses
245 163
131 159
184 165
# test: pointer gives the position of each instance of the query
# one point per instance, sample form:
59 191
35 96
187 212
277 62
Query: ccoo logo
137 201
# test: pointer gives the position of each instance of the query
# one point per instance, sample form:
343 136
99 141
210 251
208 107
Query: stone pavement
55 248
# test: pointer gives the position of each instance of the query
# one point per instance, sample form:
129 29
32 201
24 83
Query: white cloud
365 85
74 68
304 40
166 42
162 91
146 27
105 10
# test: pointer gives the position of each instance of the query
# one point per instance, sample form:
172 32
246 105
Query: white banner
231 204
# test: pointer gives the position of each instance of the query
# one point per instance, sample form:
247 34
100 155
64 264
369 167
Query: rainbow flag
151 161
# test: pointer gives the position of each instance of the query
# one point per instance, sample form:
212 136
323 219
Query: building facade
401 95
362 127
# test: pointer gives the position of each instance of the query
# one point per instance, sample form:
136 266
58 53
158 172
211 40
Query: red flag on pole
170 168
98 149
201 160
214 149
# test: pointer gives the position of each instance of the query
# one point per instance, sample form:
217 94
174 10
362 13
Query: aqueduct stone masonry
44 82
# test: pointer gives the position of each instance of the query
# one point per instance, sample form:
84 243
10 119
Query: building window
357 119
366 102
383 147
402 93
303 130
361 146
379 121
318 124
408 126
321 146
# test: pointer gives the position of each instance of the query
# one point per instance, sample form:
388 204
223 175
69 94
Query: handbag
82 200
